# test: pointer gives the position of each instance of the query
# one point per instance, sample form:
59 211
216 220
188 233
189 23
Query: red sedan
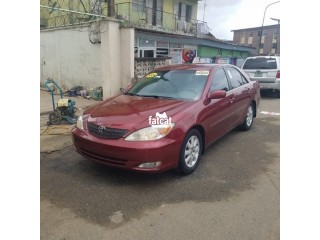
168 118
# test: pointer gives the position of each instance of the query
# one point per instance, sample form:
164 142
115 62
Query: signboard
222 60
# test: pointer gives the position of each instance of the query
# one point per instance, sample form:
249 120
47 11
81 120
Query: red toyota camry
168 118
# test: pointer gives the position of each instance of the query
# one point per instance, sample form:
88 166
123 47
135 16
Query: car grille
105 132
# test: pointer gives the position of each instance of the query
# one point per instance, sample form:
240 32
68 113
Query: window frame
212 78
241 75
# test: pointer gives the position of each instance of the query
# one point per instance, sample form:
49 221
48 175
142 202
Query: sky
222 16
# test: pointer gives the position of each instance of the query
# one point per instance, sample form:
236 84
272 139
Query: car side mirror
217 94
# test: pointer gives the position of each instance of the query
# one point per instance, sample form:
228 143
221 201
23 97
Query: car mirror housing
217 94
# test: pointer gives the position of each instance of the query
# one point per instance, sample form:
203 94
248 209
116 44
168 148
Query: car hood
133 112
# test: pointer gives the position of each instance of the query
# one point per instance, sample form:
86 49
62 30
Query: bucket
96 94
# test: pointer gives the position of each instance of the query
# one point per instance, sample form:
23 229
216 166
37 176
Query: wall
209 52
268 39
145 65
70 59
117 49
127 56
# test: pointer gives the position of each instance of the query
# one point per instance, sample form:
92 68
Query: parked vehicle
168 118
265 70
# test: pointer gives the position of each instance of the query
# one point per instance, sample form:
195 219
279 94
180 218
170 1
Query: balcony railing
133 15
148 18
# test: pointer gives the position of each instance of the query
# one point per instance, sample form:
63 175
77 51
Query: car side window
219 81
236 79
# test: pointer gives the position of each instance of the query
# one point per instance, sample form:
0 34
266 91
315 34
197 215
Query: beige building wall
68 57
110 58
127 56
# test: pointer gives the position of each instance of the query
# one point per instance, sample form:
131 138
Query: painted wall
111 58
69 58
127 56
56 18
208 52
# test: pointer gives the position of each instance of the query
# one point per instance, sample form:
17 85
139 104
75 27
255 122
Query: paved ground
234 194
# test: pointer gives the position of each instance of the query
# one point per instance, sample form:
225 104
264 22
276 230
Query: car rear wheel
190 152
248 121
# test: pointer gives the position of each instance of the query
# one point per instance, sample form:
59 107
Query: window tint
219 81
236 79
260 63
178 84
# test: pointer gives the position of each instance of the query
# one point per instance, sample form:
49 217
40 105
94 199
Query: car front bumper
128 154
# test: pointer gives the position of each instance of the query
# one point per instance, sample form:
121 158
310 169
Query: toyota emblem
101 129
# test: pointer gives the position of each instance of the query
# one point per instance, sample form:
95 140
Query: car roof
194 66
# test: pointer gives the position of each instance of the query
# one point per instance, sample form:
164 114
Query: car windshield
172 84
260 63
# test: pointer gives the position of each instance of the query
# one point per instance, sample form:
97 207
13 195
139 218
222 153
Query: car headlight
80 120
150 133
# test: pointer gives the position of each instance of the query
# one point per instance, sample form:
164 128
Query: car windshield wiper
132 94
156 96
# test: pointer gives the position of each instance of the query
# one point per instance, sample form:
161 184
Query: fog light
149 165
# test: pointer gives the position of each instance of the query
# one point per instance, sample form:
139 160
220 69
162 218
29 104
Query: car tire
248 121
278 93
190 152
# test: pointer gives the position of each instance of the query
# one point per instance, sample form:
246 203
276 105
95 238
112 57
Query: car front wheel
247 123
190 152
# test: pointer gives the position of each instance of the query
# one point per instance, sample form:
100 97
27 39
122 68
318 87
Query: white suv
265 70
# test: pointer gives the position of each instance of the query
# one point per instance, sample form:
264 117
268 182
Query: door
241 96
154 12
218 113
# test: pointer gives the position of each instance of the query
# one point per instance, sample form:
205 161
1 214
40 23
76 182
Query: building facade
95 43
267 43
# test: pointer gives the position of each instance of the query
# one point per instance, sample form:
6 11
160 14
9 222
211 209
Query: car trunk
262 75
